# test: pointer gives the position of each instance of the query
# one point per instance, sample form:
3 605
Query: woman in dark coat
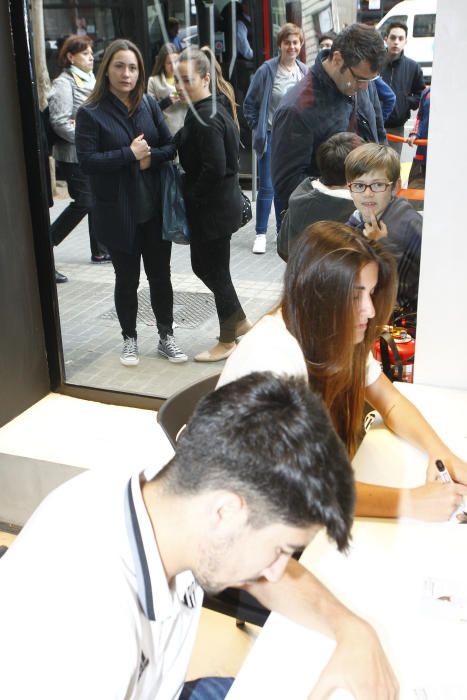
208 147
122 141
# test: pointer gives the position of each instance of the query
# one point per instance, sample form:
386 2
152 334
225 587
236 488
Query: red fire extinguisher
395 349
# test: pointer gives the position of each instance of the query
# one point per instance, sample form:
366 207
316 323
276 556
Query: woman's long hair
102 86
318 310
201 60
222 85
159 63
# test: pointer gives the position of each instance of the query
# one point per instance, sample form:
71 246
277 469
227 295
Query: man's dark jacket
311 112
405 77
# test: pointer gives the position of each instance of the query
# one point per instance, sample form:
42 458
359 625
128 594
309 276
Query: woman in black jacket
122 140
208 147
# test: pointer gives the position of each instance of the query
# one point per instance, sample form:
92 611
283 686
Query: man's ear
228 511
337 59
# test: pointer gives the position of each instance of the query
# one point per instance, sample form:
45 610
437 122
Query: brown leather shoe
221 351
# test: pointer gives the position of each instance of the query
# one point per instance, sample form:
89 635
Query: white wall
441 357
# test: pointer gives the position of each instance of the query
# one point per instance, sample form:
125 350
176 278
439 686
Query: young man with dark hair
332 97
101 592
405 77
323 198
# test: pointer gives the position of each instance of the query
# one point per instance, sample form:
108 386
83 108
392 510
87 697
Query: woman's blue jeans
209 688
266 192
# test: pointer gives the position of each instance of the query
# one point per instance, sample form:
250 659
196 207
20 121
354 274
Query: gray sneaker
129 356
168 348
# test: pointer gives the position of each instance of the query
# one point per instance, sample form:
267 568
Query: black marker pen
443 472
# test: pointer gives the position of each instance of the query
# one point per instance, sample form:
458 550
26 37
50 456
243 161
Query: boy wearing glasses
373 177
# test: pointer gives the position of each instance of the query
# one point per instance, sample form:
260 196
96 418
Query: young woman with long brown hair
122 141
338 289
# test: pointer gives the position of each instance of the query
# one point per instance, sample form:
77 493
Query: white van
420 18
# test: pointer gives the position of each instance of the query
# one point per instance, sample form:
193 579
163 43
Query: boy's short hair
331 155
372 156
328 36
397 24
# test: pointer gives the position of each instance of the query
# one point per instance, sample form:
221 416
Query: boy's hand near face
375 230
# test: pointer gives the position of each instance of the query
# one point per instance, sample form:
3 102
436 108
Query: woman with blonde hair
161 85
339 288
208 149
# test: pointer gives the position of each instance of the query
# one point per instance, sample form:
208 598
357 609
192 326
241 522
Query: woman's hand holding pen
456 467
140 147
434 501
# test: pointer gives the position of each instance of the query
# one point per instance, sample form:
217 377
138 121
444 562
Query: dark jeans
80 191
209 688
156 259
210 261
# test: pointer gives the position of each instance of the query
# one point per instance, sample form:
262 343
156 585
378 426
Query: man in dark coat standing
331 98
405 77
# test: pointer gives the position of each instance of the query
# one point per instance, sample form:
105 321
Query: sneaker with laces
168 348
259 246
129 356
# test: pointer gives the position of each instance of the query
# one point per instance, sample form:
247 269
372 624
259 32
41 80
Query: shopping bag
174 220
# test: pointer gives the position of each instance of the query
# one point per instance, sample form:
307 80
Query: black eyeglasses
359 78
360 187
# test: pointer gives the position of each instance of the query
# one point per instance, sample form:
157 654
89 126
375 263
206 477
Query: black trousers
80 191
210 261
156 255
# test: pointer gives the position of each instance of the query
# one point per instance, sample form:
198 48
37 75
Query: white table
383 579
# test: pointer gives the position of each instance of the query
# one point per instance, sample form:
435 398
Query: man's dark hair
270 440
359 42
329 35
331 155
397 25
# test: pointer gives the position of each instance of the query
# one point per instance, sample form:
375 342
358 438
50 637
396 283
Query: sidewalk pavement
91 333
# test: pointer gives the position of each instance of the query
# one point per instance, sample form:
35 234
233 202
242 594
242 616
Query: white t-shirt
270 347
86 612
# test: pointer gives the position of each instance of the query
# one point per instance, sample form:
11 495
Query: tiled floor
92 344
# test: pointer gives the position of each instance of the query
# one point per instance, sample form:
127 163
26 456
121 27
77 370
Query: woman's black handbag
247 214
174 220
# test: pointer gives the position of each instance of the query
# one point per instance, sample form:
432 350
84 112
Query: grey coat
65 98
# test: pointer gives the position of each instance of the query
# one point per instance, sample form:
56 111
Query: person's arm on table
430 501
358 663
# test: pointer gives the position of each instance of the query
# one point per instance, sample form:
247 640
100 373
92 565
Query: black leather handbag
247 214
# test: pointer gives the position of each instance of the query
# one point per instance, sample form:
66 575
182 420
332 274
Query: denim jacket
256 104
